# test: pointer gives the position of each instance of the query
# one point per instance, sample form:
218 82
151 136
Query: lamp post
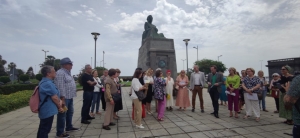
197 52
101 62
187 60
261 64
219 57
103 58
45 52
95 34
183 63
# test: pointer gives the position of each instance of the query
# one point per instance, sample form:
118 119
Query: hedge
14 101
12 88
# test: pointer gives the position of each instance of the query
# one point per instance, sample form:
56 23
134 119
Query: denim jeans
65 118
96 101
296 131
87 102
45 127
262 103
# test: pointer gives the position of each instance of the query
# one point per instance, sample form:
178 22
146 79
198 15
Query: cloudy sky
243 31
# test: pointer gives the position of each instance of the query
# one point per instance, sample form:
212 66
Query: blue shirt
47 89
294 91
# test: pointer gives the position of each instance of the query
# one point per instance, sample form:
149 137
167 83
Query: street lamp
45 52
95 34
103 58
219 57
183 63
261 64
197 52
100 62
187 60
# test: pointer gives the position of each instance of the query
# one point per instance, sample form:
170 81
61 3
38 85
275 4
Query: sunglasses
283 69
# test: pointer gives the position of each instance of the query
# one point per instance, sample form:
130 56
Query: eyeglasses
283 69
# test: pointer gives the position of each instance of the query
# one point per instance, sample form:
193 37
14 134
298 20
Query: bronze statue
151 30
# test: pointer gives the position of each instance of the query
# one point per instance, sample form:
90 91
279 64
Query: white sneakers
139 126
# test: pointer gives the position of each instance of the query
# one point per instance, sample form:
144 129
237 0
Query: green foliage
39 77
100 70
30 72
14 101
12 65
2 69
24 77
52 61
4 79
205 64
12 88
20 72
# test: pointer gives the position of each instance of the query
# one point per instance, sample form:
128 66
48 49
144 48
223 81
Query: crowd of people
57 90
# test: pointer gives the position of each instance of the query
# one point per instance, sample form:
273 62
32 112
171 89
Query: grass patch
126 83
14 101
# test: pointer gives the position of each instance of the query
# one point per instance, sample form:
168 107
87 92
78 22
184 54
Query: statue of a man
151 30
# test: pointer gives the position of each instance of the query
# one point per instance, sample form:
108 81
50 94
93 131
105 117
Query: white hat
158 69
275 74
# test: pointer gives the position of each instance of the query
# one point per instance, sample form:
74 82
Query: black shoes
72 129
216 115
193 110
111 124
85 122
212 113
106 127
90 118
202 111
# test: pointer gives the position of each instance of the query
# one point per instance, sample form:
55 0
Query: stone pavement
177 124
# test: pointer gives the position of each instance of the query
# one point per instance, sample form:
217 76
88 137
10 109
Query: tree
12 65
4 79
30 72
52 61
39 77
20 72
2 68
205 64
100 70
24 77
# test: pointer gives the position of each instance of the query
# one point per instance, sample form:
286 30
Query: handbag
259 95
116 97
140 94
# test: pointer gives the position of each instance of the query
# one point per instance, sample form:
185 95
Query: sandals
245 117
231 114
98 113
160 119
257 119
92 114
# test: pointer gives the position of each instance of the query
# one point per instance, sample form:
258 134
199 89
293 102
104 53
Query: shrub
4 79
24 77
9 89
39 77
14 101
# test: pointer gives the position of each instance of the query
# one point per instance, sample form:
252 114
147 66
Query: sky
244 32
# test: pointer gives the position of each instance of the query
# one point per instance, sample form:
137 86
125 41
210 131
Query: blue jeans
96 101
45 127
263 101
296 131
87 102
65 118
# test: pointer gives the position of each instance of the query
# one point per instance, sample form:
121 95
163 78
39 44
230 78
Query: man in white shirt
197 82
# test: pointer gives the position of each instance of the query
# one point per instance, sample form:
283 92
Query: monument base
158 53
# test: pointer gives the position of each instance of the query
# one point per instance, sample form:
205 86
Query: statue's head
150 19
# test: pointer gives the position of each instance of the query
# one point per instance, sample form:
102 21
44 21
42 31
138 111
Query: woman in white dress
169 90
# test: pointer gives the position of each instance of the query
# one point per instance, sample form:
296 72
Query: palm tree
12 65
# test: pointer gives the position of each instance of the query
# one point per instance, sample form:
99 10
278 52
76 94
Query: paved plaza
177 124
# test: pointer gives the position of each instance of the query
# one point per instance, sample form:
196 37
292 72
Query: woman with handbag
96 94
137 87
119 104
169 90
263 89
284 111
160 94
275 90
251 85
111 97
147 101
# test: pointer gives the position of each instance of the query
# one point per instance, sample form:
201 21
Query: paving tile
180 136
168 125
143 134
188 129
175 130
197 135
126 135
159 132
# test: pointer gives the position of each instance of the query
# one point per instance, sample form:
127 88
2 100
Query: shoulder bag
140 94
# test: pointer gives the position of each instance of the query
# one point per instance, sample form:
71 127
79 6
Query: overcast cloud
243 31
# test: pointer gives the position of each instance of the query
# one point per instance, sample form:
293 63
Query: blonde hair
93 71
260 72
251 69
149 72
233 69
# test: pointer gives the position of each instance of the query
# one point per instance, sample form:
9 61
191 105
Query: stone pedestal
158 53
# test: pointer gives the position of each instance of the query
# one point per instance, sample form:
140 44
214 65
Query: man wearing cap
197 82
66 85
